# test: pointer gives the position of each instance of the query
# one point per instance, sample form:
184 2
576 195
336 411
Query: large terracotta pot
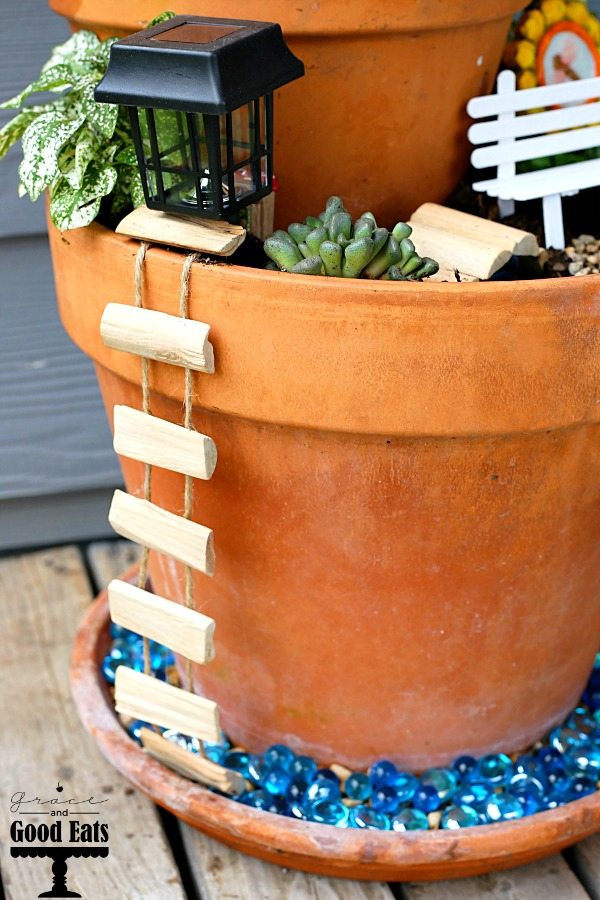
406 506
385 91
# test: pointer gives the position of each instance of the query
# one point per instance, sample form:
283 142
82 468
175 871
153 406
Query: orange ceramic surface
406 505
384 93
345 853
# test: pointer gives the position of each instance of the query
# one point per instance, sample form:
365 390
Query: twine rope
188 492
139 302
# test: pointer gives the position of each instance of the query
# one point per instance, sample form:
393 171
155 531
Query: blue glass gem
563 738
120 650
276 780
410 820
295 792
297 810
323 789
463 765
443 781
472 795
329 812
584 759
530 766
182 740
134 729
405 786
583 723
239 760
548 756
267 802
503 807
385 799
327 775
364 817
495 768
383 773
109 668
582 786
426 798
257 769
358 786
304 768
279 755
459 817
217 750
521 781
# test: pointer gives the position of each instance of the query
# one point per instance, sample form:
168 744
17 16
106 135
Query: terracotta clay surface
385 92
406 505
386 856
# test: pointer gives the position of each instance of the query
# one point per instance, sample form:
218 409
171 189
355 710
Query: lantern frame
204 87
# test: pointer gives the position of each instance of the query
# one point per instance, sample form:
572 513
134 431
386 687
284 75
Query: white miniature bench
512 138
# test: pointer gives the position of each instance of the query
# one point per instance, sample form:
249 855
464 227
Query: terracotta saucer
369 855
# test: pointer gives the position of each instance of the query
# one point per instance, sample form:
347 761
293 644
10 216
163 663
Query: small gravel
582 257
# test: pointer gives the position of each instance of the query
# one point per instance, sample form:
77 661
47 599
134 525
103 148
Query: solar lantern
200 97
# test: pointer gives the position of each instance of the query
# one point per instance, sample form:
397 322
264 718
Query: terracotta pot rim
354 289
319 23
304 845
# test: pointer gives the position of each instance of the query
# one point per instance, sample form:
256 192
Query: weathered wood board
43 741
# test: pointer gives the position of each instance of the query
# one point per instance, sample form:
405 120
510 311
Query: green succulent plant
332 244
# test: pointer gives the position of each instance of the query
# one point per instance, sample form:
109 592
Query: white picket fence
510 138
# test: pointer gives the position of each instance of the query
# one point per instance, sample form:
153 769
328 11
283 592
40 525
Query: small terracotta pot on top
379 117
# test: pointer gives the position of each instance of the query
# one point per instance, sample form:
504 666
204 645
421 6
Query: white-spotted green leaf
43 141
52 79
85 150
13 130
126 157
73 209
101 116
81 48
162 17
137 191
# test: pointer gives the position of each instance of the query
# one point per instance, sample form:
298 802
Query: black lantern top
200 99
197 64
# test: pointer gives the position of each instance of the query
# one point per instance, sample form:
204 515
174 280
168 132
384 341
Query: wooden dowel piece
161 443
183 630
153 527
159 336
190 765
520 243
146 698
473 257
207 235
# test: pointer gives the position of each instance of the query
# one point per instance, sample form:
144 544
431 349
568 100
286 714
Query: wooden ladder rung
157 442
190 765
157 335
156 528
150 700
183 630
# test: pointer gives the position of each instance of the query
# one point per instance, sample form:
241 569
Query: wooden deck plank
109 559
221 873
224 874
549 879
42 598
586 862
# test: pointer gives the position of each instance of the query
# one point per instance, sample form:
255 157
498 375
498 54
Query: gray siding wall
57 467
